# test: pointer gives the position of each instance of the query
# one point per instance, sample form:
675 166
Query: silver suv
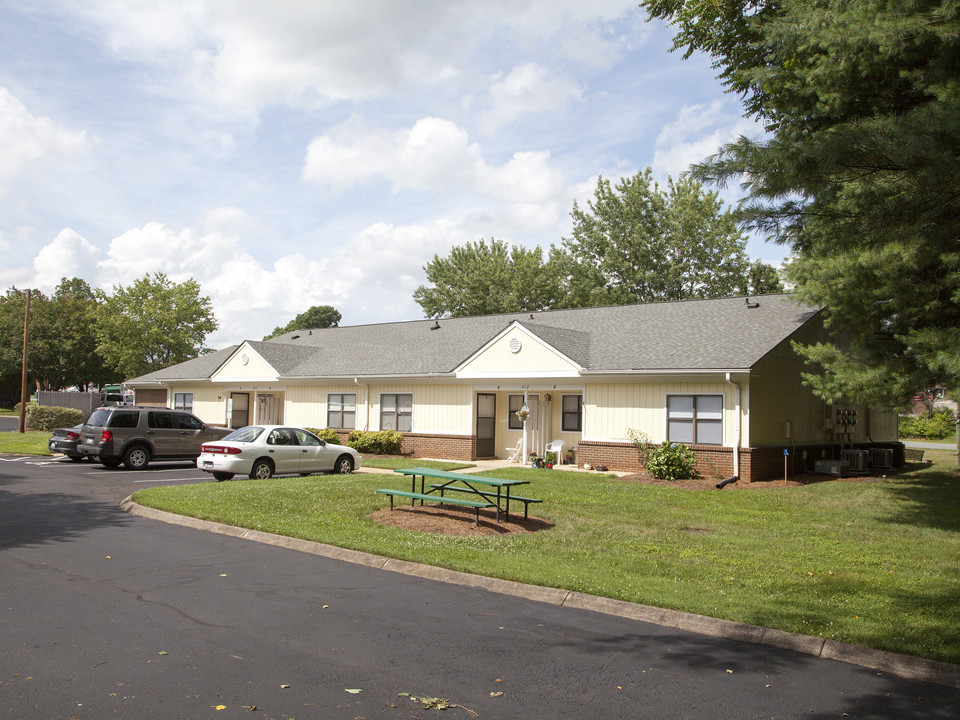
136 435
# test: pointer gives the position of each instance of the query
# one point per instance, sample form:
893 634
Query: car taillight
73 436
219 450
106 436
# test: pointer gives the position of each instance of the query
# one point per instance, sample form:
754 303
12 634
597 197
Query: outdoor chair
554 448
514 453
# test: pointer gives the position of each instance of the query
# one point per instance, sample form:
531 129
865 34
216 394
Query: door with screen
486 425
239 410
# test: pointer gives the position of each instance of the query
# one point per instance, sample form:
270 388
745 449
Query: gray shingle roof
721 334
198 368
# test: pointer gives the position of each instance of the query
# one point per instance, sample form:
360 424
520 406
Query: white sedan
262 451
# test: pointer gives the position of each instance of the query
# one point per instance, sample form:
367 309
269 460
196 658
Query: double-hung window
572 409
695 419
396 411
515 403
183 401
342 411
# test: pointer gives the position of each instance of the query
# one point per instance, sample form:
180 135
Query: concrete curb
905 666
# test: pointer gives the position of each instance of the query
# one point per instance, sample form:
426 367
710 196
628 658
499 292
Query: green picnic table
481 487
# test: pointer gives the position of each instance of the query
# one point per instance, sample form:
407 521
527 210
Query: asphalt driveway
103 614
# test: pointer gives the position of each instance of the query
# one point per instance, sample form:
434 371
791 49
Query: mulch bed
450 520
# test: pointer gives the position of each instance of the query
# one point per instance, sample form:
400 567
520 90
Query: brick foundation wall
712 461
446 447
756 464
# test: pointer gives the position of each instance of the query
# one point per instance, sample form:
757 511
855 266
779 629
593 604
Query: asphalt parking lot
106 614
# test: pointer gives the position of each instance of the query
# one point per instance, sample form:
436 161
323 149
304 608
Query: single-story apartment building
719 375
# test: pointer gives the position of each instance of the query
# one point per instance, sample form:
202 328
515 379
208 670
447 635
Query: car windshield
245 434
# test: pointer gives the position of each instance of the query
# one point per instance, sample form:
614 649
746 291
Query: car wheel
221 476
262 469
110 463
136 457
344 465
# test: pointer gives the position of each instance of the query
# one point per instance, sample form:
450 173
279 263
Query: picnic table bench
913 454
466 483
525 500
414 496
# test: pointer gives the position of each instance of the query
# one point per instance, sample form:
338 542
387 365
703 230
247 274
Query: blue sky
298 153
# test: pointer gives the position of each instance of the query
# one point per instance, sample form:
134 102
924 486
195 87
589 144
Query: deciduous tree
482 279
318 316
152 323
637 243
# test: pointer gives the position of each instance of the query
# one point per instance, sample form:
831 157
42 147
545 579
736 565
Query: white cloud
371 277
530 88
67 255
26 138
435 154
247 54
698 132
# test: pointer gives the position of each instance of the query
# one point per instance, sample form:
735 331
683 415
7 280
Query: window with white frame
342 411
183 401
396 411
572 410
515 403
695 419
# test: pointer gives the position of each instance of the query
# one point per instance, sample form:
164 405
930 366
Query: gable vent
515 345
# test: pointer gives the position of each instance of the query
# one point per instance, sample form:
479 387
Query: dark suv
136 435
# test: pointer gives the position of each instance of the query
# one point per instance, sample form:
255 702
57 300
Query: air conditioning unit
881 457
857 460
840 468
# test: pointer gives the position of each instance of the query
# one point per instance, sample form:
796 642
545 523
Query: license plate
207 464
89 441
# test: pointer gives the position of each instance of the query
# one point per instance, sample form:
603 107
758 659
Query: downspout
736 446
523 447
366 402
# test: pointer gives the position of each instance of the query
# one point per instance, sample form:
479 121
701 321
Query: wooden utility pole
23 371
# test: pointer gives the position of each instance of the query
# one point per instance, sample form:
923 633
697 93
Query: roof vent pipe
436 325
750 305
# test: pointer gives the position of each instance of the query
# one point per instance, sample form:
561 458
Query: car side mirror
323 443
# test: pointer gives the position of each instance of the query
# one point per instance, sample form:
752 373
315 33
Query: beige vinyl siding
534 357
441 409
236 369
307 404
611 409
208 402
778 396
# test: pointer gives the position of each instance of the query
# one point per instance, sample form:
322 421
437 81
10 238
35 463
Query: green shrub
672 462
942 425
328 435
44 417
383 442
643 444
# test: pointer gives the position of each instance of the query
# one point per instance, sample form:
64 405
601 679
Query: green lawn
874 563
32 442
